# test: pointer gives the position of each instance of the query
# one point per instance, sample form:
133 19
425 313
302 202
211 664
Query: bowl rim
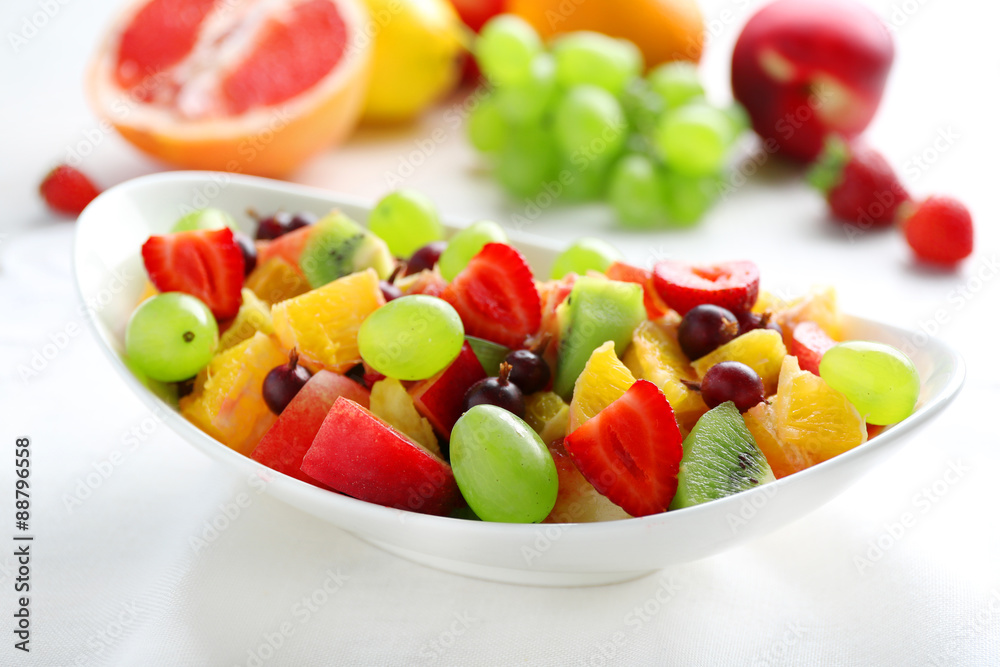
366 511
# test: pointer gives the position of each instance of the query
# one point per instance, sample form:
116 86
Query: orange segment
276 280
392 404
663 30
783 458
547 414
813 417
323 324
604 380
213 85
656 356
227 402
760 349
819 306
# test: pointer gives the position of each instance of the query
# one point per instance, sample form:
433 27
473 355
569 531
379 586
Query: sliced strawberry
496 296
732 285
288 246
205 263
67 190
631 451
655 308
809 343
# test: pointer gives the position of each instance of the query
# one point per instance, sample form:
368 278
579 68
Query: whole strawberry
939 230
859 184
66 190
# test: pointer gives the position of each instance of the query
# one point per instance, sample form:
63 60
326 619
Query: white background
115 580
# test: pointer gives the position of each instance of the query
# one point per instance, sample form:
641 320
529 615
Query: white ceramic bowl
110 277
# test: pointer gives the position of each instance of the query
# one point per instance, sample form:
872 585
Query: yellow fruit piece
547 414
813 417
254 315
226 402
768 301
604 380
416 59
276 280
784 459
656 356
664 30
391 402
760 349
148 292
323 324
819 306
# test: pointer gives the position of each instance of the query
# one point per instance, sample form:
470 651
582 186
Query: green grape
739 119
503 469
583 180
676 83
171 336
487 128
590 58
634 192
412 337
490 354
505 48
206 218
643 107
590 124
527 102
686 199
586 254
878 379
466 244
694 139
527 162
406 220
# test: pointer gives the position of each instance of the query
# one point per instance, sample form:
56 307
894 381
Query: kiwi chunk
338 246
720 458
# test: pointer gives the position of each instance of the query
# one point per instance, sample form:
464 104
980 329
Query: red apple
358 454
441 399
287 441
804 69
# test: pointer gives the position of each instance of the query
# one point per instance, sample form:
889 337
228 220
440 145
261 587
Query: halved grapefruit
251 86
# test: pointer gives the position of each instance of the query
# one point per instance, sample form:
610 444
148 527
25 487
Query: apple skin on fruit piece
288 439
441 399
596 311
804 69
359 455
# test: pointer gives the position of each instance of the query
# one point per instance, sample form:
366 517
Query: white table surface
115 580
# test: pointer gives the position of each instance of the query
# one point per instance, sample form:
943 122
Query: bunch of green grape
579 121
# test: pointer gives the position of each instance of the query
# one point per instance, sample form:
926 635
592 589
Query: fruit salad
388 364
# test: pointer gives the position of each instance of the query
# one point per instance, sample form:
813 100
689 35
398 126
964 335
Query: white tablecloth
117 498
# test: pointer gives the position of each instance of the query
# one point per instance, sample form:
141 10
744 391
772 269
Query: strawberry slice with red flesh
207 264
496 297
731 285
809 343
626 273
631 451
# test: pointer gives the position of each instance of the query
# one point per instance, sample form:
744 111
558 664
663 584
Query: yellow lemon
418 47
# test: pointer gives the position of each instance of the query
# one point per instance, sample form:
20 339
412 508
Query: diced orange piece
761 349
323 324
227 401
604 380
276 280
656 356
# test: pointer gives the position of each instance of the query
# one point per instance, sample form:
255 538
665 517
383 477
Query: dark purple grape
389 291
528 371
705 328
749 321
283 382
732 381
281 223
498 391
249 250
425 257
